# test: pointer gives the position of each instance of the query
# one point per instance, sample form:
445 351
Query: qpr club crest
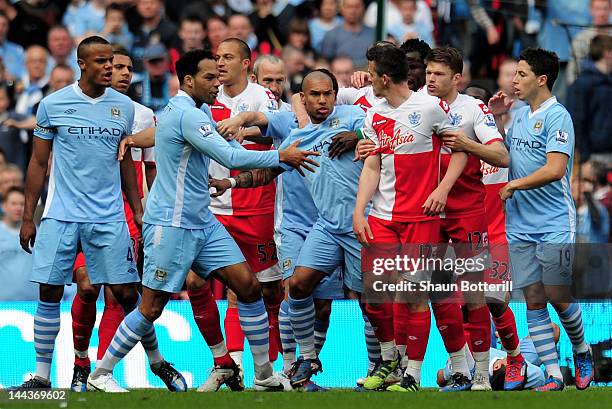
243 107
414 118
455 119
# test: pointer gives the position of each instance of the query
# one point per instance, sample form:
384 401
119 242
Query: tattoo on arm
256 177
245 179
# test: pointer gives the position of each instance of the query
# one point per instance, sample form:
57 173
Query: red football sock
275 343
111 319
480 329
417 334
506 328
467 327
83 321
381 318
233 331
400 323
449 321
218 289
206 315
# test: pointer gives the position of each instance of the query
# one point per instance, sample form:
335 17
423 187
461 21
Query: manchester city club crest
334 123
115 112
537 127
455 119
414 118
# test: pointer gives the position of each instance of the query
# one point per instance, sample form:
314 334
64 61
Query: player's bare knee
418 307
272 292
127 296
151 311
194 282
558 295
497 309
88 293
51 293
248 293
300 289
535 294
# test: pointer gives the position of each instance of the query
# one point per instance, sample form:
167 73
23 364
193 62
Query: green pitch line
337 399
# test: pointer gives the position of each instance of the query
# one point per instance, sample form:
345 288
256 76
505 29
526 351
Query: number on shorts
476 240
130 255
425 250
267 252
565 258
500 271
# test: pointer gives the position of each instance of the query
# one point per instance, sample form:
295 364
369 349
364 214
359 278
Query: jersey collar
87 98
544 106
315 126
183 94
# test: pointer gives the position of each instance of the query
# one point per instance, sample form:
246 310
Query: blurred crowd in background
38 41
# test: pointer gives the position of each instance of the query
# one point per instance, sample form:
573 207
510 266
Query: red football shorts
255 238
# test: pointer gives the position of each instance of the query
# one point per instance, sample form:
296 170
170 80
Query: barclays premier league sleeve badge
562 137
205 130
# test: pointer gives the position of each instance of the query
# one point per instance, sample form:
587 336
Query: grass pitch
336 399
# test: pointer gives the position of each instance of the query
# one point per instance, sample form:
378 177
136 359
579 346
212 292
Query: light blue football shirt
295 209
185 142
531 136
333 185
85 180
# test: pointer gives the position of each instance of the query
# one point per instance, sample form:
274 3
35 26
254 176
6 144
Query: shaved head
318 76
319 90
83 48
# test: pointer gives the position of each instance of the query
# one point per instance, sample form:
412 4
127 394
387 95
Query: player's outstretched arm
199 132
297 158
142 139
368 183
494 153
246 179
252 134
35 181
436 201
553 170
230 127
129 185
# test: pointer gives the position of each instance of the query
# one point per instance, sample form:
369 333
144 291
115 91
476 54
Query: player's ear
385 79
253 79
542 79
81 63
302 98
189 81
